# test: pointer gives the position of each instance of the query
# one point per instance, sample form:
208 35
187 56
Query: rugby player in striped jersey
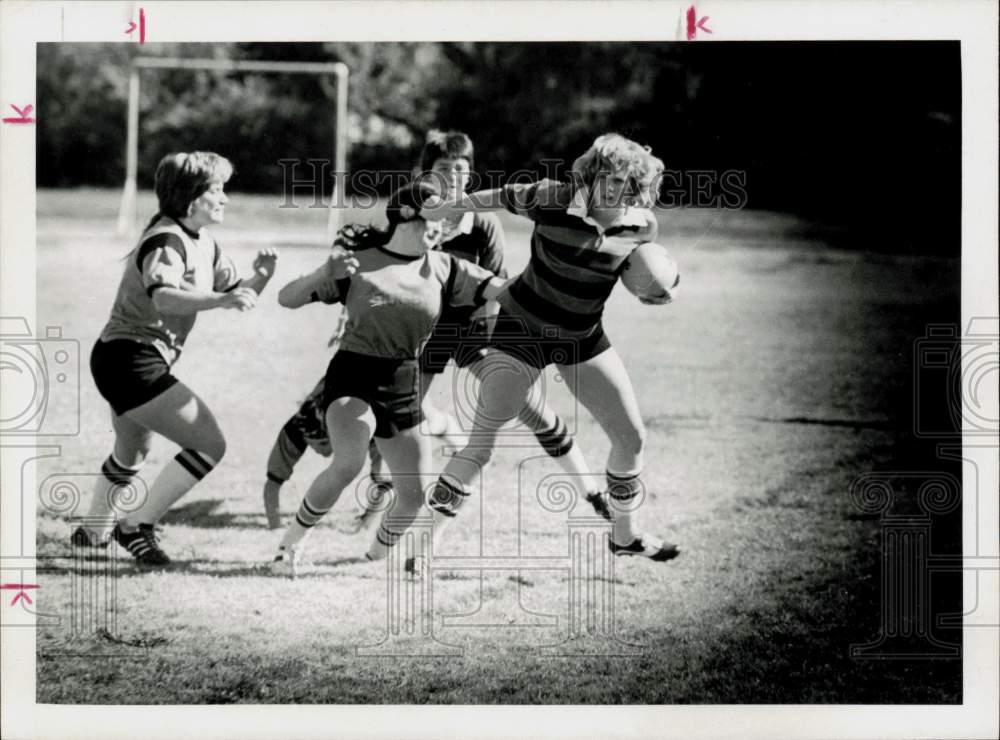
583 233
175 271
460 335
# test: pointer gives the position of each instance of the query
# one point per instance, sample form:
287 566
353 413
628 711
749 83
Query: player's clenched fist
242 299
265 262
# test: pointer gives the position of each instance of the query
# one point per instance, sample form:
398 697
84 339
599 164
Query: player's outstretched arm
452 210
179 302
321 284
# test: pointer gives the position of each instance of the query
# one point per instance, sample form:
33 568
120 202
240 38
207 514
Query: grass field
782 372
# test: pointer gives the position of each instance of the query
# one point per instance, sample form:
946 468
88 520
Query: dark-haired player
460 335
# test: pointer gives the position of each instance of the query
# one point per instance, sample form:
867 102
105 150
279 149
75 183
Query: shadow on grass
205 514
238 569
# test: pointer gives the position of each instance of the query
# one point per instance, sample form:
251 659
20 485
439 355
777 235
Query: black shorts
513 336
464 342
128 374
390 387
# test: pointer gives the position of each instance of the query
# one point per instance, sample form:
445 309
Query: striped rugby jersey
478 238
574 264
393 301
167 256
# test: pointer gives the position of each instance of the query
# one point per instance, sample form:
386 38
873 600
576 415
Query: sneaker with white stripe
142 544
646 546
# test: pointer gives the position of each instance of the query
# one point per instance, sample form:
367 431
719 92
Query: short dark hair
441 144
182 177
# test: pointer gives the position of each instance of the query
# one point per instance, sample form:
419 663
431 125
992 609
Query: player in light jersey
460 335
551 314
176 270
394 285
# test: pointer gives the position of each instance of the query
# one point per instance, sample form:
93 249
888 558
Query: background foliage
861 136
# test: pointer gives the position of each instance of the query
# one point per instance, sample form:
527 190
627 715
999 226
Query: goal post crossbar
126 213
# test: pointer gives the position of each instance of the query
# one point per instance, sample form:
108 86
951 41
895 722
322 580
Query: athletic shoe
600 504
647 547
88 538
287 562
415 568
143 544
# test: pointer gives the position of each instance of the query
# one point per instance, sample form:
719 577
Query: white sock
306 518
623 490
177 478
101 514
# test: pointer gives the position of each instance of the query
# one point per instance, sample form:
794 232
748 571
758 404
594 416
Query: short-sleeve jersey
574 264
393 301
478 239
167 256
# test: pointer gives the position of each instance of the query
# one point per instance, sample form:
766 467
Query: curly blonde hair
614 153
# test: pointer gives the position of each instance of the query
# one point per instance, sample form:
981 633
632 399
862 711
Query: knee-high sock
177 478
102 510
445 501
559 444
625 493
306 518
395 521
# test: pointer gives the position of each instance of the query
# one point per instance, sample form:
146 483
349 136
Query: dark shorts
308 426
390 387
128 374
513 336
465 343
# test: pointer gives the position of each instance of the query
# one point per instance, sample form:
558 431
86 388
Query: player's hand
242 299
341 263
265 262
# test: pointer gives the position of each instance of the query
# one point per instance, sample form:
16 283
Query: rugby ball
650 273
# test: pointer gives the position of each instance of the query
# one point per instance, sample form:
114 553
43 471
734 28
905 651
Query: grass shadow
205 514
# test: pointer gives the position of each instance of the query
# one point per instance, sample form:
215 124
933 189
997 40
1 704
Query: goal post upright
127 211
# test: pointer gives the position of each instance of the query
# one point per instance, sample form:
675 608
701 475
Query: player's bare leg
551 432
350 422
377 495
602 385
438 423
182 417
132 444
409 456
505 382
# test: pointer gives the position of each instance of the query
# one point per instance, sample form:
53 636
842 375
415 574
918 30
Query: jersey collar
631 217
193 234
464 226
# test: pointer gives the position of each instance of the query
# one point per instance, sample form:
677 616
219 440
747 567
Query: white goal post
127 211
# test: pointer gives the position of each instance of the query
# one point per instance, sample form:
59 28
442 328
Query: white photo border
972 22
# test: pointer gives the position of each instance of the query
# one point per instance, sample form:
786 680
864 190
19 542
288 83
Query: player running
460 334
584 231
394 285
176 270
